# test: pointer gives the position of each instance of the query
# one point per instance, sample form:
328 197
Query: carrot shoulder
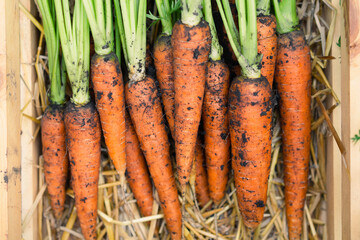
216 126
137 171
83 137
267 45
107 80
250 121
191 48
145 110
55 157
293 81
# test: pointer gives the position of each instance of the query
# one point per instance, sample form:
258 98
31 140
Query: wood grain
10 186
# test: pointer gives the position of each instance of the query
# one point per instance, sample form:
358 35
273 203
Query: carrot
267 45
82 124
293 82
106 77
137 172
191 47
83 137
146 113
215 115
55 157
250 115
52 122
201 183
107 81
164 73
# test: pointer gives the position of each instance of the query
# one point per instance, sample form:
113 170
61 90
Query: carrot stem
75 42
164 9
191 12
286 17
263 7
216 48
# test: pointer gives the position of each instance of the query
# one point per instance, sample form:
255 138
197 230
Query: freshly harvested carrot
267 39
165 75
137 171
201 183
215 115
250 114
107 81
52 122
145 110
55 157
82 124
83 137
293 82
108 85
191 40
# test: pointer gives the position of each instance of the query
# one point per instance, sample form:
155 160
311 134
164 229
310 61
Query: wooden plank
334 163
10 186
351 117
30 148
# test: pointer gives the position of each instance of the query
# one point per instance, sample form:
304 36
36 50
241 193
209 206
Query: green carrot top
75 42
57 82
263 7
216 48
243 42
191 12
99 13
166 8
131 21
286 16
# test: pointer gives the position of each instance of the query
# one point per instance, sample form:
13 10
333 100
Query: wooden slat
351 117
334 163
10 186
29 147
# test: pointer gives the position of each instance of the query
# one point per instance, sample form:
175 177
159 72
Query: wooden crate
19 152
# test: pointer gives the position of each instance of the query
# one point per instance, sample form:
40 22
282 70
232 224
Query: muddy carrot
250 115
52 122
107 81
293 82
191 40
137 171
145 110
215 115
82 125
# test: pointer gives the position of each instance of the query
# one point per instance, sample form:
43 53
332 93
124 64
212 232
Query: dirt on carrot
191 48
293 82
146 114
108 86
83 135
250 116
55 157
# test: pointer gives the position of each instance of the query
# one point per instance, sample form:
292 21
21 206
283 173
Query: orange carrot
293 82
106 77
191 48
201 183
83 137
137 172
216 126
267 45
250 121
164 73
146 114
55 157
